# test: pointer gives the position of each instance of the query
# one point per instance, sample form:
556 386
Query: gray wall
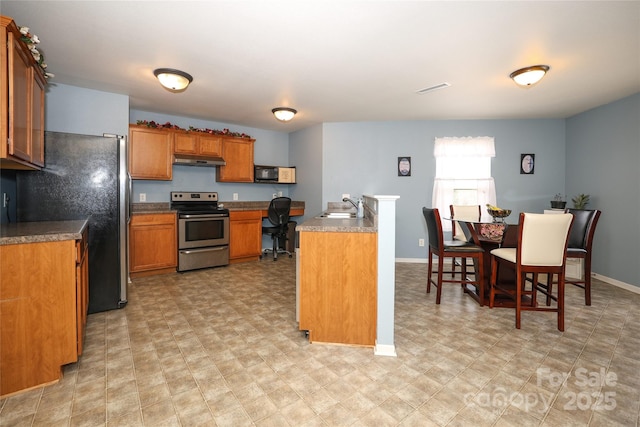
603 153
84 111
362 158
305 151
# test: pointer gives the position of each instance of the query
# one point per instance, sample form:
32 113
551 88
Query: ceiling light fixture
284 114
174 80
529 76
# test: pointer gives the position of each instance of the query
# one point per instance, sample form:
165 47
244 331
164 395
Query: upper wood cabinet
150 153
238 154
22 84
197 145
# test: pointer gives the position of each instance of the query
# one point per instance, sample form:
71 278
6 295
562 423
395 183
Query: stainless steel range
203 230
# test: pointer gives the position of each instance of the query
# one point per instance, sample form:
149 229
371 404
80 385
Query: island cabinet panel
153 244
245 235
150 153
39 329
338 287
238 154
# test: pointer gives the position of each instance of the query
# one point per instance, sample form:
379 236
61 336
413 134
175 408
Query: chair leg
587 280
275 247
561 302
429 271
480 279
439 285
453 267
549 288
519 284
492 281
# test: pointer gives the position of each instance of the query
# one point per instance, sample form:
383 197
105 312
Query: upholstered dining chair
541 249
579 247
467 212
450 249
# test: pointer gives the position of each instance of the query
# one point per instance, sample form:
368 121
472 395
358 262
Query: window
463 173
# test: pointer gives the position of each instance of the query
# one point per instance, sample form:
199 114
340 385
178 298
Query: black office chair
278 215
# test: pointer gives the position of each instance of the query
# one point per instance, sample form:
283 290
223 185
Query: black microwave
274 174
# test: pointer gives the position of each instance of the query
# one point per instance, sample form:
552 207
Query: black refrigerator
85 177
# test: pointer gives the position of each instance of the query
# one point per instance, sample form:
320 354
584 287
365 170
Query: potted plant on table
580 201
558 202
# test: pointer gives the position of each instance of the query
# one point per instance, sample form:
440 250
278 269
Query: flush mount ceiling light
284 114
174 80
529 76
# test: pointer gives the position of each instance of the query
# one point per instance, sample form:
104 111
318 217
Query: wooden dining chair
451 249
579 247
469 213
541 250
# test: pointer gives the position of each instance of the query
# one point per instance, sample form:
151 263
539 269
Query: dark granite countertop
342 225
137 208
41 231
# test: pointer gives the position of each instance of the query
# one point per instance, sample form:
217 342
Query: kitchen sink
337 215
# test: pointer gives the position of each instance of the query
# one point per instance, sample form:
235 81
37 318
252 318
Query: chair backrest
468 212
543 239
279 209
583 228
434 228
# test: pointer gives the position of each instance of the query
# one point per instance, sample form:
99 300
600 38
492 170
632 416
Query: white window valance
472 146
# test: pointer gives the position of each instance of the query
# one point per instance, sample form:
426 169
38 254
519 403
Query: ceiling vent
432 88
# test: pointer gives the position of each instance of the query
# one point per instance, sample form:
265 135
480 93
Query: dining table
490 234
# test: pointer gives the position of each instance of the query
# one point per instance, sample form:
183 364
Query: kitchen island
338 280
44 276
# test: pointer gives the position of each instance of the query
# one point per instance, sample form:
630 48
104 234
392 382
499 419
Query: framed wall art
404 166
527 164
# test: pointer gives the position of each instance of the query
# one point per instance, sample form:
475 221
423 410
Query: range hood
182 159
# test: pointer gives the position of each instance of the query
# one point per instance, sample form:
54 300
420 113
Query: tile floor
220 347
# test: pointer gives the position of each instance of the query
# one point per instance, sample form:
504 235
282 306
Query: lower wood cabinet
338 287
245 235
43 311
152 244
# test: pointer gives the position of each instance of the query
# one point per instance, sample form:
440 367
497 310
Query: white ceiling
343 60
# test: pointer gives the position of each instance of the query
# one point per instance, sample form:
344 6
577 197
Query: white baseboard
617 283
385 350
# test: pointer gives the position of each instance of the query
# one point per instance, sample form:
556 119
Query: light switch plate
235 196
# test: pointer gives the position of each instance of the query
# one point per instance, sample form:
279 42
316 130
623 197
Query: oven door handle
212 249
201 216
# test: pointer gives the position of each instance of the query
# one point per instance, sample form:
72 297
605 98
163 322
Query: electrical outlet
274 195
279 193
235 196
420 242
143 197
5 200
346 196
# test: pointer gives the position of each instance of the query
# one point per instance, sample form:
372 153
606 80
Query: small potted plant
558 202
580 201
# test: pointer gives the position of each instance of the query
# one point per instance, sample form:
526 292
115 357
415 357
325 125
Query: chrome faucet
346 199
